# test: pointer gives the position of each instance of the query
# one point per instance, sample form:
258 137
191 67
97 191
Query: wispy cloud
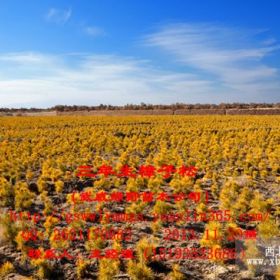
232 57
94 31
92 79
25 58
58 16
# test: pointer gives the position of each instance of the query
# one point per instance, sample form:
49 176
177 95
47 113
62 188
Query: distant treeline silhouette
144 106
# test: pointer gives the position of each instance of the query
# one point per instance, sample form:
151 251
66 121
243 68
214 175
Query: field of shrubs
139 197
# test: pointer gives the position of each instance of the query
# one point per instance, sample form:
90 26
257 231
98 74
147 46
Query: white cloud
58 16
92 79
94 31
26 58
232 57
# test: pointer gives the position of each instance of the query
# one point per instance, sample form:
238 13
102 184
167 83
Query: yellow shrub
176 274
108 269
23 196
81 267
6 269
161 207
59 186
137 271
6 192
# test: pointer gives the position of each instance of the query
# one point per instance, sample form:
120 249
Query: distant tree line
144 106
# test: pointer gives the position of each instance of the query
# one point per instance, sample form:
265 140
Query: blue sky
117 52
